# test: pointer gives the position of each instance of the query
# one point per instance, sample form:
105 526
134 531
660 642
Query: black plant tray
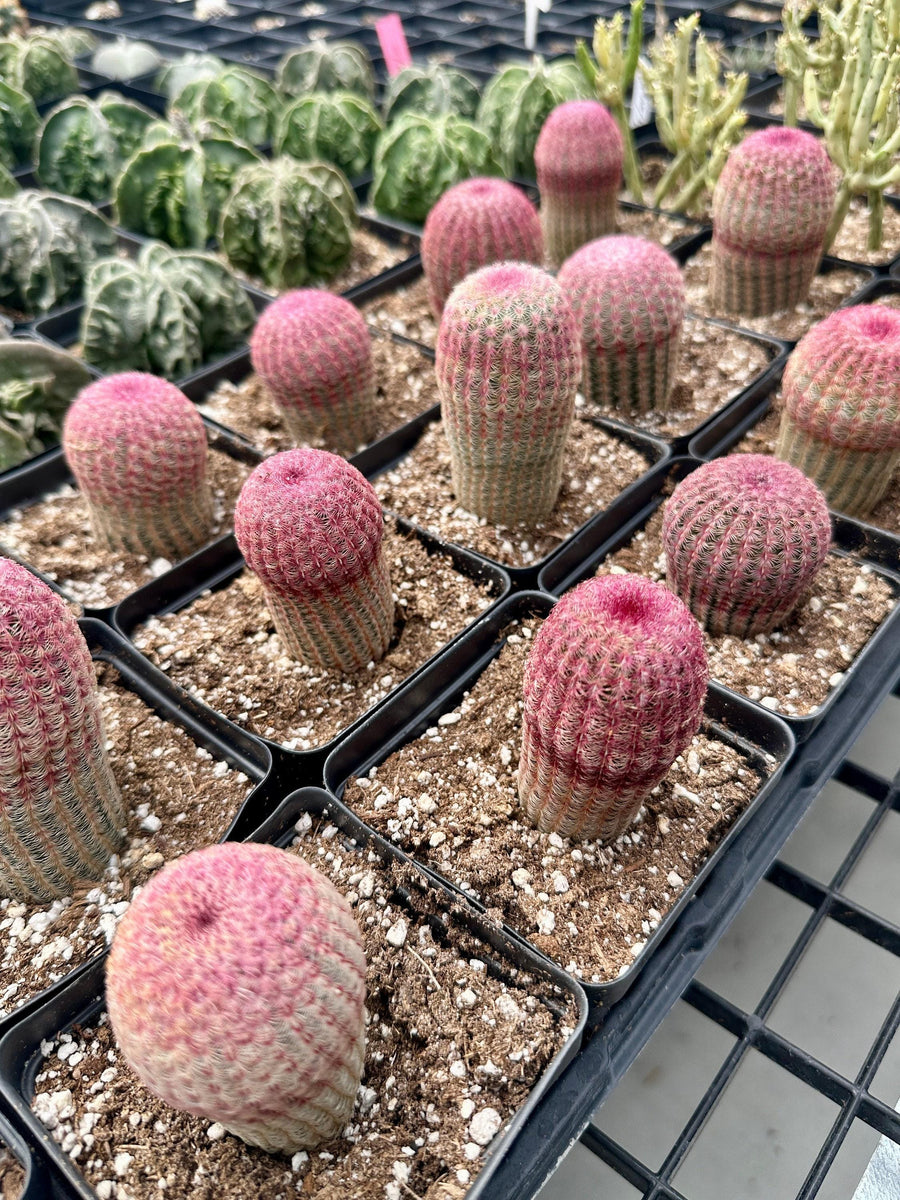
174 28
81 1001
35 1185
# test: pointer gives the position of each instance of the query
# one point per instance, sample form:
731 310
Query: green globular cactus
313 351
508 365
236 992
174 77
37 385
337 127
83 144
771 208
137 448
61 815
19 122
13 18
475 223
38 65
236 99
289 223
327 67
431 91
309 525
744 537
614 691
841 419
578 157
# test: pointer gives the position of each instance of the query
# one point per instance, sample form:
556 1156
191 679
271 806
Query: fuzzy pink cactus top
579 147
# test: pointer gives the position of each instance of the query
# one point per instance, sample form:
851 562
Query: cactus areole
236 985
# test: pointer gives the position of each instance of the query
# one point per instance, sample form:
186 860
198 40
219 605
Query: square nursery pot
875 658
461 947
422 712
206 753
174 29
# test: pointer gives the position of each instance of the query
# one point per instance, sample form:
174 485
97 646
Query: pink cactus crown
757 488
580 135
307 312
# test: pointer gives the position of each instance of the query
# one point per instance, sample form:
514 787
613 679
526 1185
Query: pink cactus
578 157
628 298
311 527
236 986
841 418
771 208
137 448
508 365
744 537
313 351
475 223
614 692
61 815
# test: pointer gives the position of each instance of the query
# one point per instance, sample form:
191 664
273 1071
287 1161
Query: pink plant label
393 43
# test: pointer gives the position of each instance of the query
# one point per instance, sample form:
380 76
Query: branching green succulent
84 143
191 67
336 127
165 312
37 385
19 122
326 67
236 99
431 90
39 66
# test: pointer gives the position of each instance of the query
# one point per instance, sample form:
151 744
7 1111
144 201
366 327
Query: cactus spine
508 364
841 418
744 537
614 692
61 815
310 526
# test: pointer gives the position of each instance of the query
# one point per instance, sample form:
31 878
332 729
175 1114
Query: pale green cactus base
570 222
520 487
853 481
635 381
754 284
172 529
341 427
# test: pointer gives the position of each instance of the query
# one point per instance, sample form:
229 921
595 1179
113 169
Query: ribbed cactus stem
508 365
578 158
475 223
313 351
771 208
744 537
137 448
236 986
841 419
628 298
61 815
311 527
614 691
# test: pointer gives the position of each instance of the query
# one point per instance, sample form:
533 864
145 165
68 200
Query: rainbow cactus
578 158
744 537
841 418
508 364
628 298
236 992
771 208
475 223
614 692
61 815
310 526
313 351
137 448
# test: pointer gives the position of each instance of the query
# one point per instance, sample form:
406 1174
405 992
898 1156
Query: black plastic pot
175 29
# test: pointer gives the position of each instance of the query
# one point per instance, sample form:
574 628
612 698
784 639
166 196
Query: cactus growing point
313 351
311 528
771 208
137 448
236 985
628 297
578 158
61 815
614 692
744 537
508 364
475 223
841 418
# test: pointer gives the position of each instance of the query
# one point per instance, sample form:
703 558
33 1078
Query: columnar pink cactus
236 986
578 157
311 527
744 537
841 418
61 815
771 208
313 351
614 692
475 223
628 298
508 365
137 448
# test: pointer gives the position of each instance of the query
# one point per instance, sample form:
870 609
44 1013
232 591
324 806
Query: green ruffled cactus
175 76
37 385
289 223
39 66
19 122
238 100
8 185
163 312
419 157
326 67
431 91
84 143
336 127
516 103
